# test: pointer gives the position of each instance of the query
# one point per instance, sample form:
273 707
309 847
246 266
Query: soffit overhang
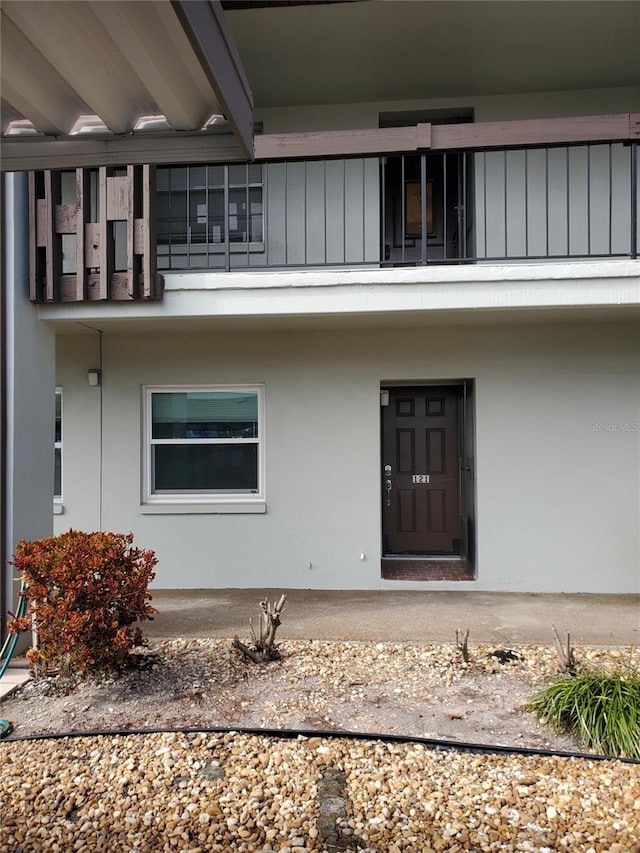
85 82
385 51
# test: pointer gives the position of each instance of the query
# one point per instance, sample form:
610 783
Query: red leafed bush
86 592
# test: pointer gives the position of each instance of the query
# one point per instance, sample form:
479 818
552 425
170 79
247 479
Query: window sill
246 507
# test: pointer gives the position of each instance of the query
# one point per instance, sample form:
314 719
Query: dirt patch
409 689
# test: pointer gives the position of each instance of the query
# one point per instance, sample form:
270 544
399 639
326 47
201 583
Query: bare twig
567 656
264 645
462 644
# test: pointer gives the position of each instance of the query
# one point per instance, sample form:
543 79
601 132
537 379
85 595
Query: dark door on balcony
422 462
427 204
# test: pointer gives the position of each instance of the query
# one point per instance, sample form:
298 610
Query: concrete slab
15 675
602 620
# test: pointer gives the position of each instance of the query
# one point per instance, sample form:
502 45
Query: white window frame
57 445
208 502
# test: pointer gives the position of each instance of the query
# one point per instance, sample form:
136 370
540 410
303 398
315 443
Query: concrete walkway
491 617
607 620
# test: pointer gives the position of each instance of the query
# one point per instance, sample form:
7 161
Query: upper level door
421 469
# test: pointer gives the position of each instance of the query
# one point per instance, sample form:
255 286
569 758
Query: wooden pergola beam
448 137
205 26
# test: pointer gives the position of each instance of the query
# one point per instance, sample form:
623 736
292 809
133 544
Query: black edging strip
291 734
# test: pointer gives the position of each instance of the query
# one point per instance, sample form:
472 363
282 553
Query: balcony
487 205
520 192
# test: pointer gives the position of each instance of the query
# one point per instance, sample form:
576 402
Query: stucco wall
557 451
30 391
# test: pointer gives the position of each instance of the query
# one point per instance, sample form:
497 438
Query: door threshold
426 569
449 558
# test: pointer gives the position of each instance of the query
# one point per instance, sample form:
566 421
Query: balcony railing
450 194
519 204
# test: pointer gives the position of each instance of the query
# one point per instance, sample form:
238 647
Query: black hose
432 743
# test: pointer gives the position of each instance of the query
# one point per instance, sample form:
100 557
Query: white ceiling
403 49
67 64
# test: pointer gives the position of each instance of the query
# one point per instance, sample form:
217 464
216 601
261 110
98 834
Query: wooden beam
53 263
83 209
105 249
132 285
205 26
495 134
21 154
65 218
149 286
338 143
118 197
504 134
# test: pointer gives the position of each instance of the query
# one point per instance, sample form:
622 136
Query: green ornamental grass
602 709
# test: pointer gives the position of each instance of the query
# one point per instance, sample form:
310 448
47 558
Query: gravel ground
227 792
203 792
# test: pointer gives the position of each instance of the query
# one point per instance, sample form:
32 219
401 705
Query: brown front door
421 471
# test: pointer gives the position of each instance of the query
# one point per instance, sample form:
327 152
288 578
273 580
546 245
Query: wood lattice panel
78 252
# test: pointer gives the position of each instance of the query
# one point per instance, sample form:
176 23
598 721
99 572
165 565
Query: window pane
198 216
179 178
238 216
216 216
162 178
216 176
255 207
58 433
205 414
57 473
205 467
238 174
197 176
255 173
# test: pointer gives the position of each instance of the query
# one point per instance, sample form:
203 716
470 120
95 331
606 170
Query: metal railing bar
633 154
265 202
403 209
526 202
248 213
364 212
506 206
344 211
382 165
567 168
306 215
484 198
444 206
325 210
286 212
423 208
227 247
588 199
463 241
610 198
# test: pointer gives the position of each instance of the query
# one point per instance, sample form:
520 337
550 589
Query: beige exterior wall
486 108
558 451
